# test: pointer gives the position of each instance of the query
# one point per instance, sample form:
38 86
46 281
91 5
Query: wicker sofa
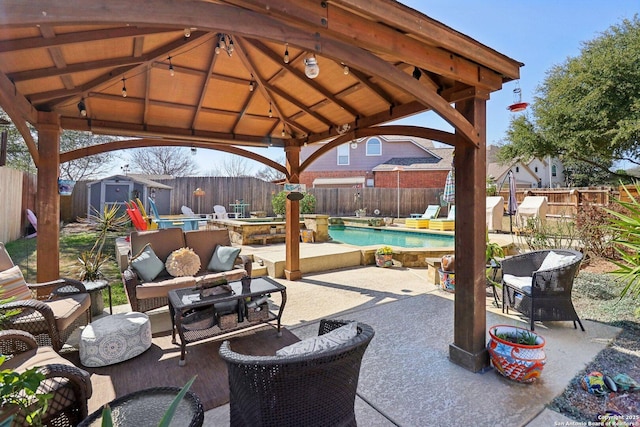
145 296
312 389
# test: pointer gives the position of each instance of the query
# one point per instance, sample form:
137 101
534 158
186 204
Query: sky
538 33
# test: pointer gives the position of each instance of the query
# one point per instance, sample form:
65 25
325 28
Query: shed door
116 193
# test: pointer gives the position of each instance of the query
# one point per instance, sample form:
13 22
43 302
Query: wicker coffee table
223 313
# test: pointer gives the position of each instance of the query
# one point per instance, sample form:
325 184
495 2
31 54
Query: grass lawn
73 241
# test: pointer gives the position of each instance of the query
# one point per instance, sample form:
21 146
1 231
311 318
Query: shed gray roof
139 179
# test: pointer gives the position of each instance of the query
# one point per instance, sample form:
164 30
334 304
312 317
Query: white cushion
323 342
521 282
555 260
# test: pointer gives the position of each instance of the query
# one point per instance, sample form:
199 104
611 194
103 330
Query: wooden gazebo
231 74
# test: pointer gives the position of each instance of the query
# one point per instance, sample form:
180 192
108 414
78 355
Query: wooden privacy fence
565 201
257 193
331 201
14 204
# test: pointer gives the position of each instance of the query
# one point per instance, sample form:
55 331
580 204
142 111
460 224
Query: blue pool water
371 236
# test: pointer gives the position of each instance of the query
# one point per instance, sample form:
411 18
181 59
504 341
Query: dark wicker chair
318 389
66 307
146 408
548 296
69 385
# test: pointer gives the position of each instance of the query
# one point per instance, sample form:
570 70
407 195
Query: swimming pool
373 236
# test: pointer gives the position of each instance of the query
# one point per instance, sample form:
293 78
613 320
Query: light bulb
286 53
251 86
217 50
311 68
345 70
124 88
171 71
284 133
270 111
82 108
187 32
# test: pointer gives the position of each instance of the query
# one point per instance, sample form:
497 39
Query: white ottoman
114 339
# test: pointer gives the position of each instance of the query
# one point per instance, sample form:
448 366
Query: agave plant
92 261
626 225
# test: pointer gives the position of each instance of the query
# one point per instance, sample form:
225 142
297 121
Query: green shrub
279 203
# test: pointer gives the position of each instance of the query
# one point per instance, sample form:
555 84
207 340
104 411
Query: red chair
136 218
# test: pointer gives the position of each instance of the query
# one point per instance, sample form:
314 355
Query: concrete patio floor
406 377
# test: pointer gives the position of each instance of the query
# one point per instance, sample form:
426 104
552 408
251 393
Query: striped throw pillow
13 284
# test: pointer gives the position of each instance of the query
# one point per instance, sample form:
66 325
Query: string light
124 87
82 108
286 53
251 86
171 71
284 133
270 111
345 69
187 32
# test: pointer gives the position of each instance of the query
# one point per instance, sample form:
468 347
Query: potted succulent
384 256
516 353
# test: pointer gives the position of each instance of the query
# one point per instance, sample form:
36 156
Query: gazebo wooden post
469 346
292 239
47 198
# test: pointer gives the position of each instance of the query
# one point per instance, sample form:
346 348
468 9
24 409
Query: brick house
375 162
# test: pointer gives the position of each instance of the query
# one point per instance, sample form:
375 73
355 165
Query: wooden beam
104 127
469 346
48 199
119 145
79 37
264 87
396 15
292 217
20 112
277 59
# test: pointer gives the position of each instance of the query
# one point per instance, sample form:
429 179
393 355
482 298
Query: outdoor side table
146 408
95 291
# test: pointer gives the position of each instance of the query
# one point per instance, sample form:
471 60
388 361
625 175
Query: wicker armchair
70 385
540 294
308 390
51 321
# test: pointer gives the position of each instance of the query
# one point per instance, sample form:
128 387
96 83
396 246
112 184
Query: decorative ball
183 262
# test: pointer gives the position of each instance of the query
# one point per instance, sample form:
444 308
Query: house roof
441 159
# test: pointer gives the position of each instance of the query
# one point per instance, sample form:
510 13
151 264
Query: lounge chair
187 211
444 224
538 284
422 221
219 212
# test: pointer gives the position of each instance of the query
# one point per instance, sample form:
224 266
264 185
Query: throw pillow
183 262
13 284
555 260
323 342
223 258
147 264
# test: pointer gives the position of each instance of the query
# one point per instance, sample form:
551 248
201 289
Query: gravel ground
596 297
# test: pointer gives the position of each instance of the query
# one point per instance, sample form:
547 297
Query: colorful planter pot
447 280
519 362
384 260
